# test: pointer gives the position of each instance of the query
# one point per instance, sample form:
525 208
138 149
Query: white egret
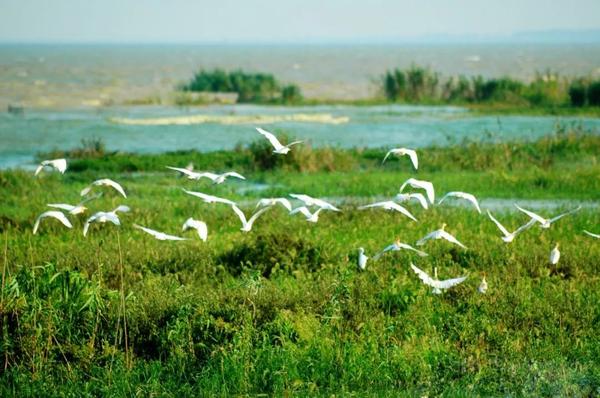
209 198
310 201
405 197
310 217
421 184
440 234
554 255
462 195
434 282
397 246
362 259
277 146
483 286
199 226
247 224
274 201
158 235
404 151
104 182
60 216
545 223
592 234
214 177
74 209
105 216
58 164
510 236
391 206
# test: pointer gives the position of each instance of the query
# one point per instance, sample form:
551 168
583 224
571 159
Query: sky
272 21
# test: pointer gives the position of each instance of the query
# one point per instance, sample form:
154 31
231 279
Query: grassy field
283 309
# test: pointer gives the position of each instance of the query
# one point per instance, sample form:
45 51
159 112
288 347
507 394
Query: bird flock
425 199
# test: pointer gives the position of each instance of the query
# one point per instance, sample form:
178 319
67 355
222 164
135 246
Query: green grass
283 309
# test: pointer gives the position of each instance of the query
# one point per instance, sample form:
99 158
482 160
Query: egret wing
272 139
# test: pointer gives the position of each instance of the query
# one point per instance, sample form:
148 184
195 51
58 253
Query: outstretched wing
240 214
427 237
592 234
55 214
272 139
531 214
234 174
448 283
451 239
500 226
189 173
256 215
302 209
409 247
565 214
413 157
116 186
525 226
422 275
402 210
62 206
147 230
294 143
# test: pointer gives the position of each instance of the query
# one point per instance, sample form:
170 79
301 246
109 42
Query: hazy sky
283 20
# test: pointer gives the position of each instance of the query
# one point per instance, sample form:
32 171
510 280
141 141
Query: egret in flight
397 246
404 151
277 146
158 235
391 206
74 209
58 164
405 197
545 223
247 224
420 184
199 226
105 216
440 234
510 236
209 198
462 195
310 201
434 282
274 201
106 183
310 217
214 177
60 216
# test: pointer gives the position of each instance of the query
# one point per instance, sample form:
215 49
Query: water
76 75
22 136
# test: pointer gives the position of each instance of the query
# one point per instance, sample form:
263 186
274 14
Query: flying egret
405 197
104 182
396 246
404 151
510 236
209 198
273 201
440 234
554 255
310 217
483 286
389 205
74 209
545 223
199 226
362 259
158 235
592 234
420 184
214 177
247 224
310 201
58 164
105 216
277 147
434 282
462 195
60 216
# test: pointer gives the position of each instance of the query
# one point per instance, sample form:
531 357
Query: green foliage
283 310
250 87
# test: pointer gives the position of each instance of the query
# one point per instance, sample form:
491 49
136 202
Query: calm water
21 137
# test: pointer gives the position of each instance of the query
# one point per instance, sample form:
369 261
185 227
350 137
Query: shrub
593 93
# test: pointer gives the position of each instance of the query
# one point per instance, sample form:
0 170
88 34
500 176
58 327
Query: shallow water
22 136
